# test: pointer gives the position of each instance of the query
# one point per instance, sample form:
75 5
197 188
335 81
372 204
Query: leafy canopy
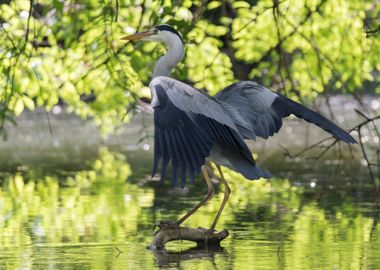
70 52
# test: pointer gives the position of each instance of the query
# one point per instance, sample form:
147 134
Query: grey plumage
188 125
264 110
190 99
191 126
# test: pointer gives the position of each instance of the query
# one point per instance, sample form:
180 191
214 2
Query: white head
166 34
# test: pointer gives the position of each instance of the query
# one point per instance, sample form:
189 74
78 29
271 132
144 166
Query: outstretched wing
264 110
188 123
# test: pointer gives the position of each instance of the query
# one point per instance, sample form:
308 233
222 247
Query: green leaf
28 102
18 107
214 5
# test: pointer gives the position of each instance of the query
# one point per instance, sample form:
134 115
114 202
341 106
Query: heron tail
252 172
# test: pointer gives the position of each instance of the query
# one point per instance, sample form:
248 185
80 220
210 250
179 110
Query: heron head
161 33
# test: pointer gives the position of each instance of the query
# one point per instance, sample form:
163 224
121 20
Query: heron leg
209 195
227 192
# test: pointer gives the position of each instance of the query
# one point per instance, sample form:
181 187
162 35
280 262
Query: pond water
96 208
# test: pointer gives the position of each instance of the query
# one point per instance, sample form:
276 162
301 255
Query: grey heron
192 126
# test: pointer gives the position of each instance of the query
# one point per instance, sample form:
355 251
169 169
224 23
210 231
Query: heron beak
139 36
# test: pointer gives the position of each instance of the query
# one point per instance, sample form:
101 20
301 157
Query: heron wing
187 125
192 100
264 110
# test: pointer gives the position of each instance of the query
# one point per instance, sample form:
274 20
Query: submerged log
201 236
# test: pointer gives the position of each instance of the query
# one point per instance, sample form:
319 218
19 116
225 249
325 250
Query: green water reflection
82 219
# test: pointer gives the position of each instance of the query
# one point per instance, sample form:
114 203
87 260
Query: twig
117 10
28 23
358 126
375 218
119 252
198 12
288 154
339 162
327 148
279 249
276 12
49 123
369 165
294 31
257 14
378 162
366 157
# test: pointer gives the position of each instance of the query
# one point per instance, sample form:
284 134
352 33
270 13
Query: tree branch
199 235
28 23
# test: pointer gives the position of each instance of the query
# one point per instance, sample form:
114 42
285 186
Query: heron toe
209 233
165 224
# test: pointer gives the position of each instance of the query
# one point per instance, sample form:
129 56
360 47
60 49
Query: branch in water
199 235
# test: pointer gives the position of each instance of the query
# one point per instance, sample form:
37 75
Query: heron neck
167 62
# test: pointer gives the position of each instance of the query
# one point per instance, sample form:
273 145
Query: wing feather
180 94
265 110
188 123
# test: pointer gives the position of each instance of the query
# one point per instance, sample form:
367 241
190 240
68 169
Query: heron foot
165 225
209 233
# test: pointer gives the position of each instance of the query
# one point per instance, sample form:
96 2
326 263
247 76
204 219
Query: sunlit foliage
63 51
318 46
51 220
63 214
